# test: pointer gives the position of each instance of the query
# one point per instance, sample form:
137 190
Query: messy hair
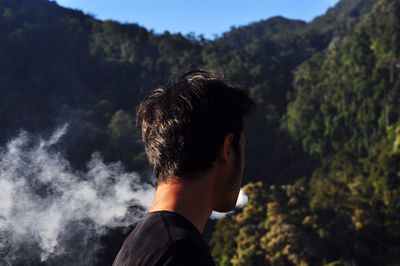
184 123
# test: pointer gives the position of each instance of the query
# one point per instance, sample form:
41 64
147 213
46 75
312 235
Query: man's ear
226 148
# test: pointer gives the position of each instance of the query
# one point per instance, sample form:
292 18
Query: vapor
241 201
51 213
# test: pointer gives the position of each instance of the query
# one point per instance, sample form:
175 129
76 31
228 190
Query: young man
192 132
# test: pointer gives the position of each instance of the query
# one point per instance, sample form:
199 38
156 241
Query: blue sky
207 17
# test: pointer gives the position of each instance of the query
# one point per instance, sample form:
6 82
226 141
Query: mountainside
263 57
324 141
339 20
345 113
60 65
353 87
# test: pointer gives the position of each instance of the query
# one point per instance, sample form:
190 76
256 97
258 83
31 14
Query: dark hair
184 123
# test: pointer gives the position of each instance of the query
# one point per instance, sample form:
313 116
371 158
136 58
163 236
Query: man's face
230 181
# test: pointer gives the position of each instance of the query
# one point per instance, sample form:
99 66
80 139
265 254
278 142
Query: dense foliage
344 111
323 154
60 65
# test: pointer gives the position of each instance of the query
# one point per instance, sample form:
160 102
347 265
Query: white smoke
48 211
52 213
241 201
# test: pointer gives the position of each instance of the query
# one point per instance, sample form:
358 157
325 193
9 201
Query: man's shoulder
162 237
184 251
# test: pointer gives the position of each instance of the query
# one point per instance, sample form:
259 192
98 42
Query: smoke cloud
241 201
51 214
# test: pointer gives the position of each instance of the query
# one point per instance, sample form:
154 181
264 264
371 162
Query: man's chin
225 208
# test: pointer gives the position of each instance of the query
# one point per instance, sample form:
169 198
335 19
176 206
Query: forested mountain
323 145
352 86
263 56
60 65
344 111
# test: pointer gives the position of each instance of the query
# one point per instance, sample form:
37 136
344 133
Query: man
192 132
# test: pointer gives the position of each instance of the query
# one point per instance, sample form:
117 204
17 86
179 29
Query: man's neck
191 199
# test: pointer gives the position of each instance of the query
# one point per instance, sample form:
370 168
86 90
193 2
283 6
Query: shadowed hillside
322 163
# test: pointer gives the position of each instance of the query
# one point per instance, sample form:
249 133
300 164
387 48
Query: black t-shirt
164 238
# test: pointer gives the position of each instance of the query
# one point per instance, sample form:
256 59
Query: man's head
193 125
